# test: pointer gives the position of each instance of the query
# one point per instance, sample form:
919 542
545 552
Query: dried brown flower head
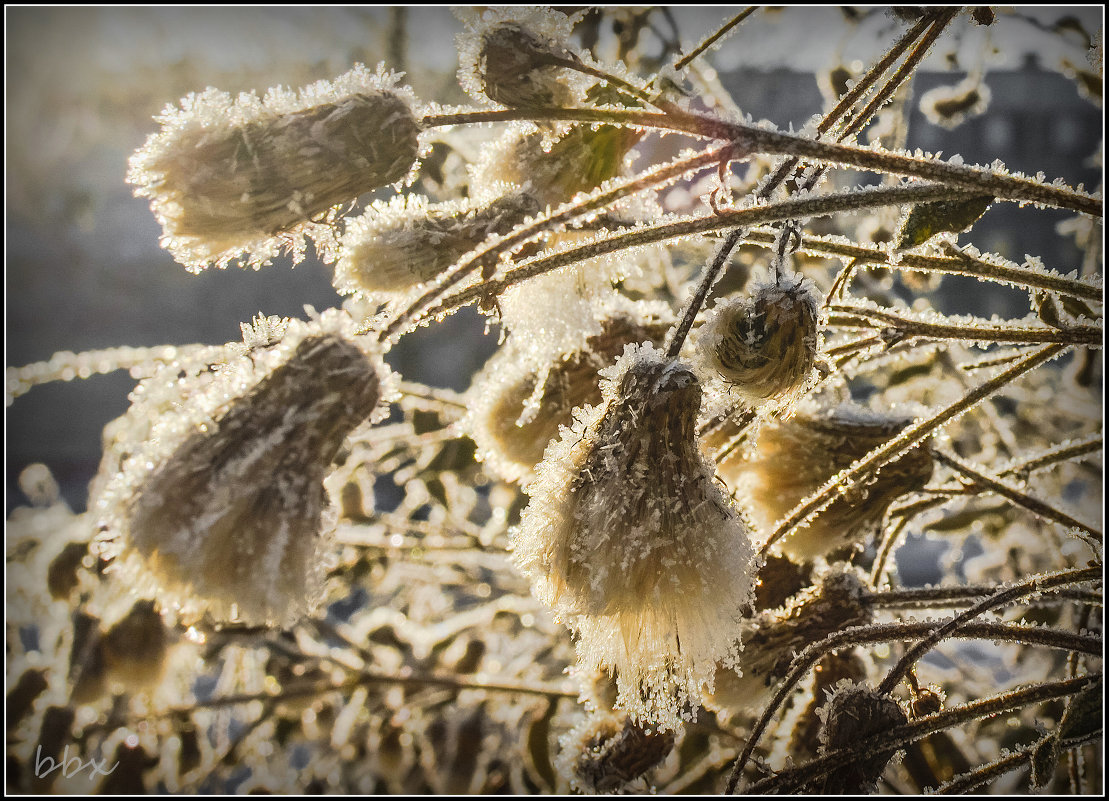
630 540
223 510
240 178
795 457
401 244
854 713
609 753
765 345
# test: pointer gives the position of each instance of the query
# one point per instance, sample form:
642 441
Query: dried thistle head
629 539
518 57
765 345
609 753
401 244
518 407
241 178
795 457
854 713
773 638
223 509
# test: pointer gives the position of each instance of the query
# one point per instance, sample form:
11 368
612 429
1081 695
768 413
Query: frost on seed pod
221 506
517 407
951 106
765 345
243 178
401 244
608 753
855 713
629 539
795 457
773 638
518 57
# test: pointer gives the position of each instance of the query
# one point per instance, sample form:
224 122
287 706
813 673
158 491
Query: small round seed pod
773 638
401 244
629 539
222 509
241 178
609 753
517 407
765 345
795 457
855 713
518 57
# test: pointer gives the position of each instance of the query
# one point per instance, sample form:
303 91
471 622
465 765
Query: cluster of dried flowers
693 509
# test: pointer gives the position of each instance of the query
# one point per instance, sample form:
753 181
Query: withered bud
512 421
773 638
581 160
229 179
795 457
765 345
401 244
229 520
610 754
855 713
522 69
631 541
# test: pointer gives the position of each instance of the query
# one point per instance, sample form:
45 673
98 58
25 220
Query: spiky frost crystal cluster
628 538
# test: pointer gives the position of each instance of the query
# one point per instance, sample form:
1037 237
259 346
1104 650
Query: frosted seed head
221 506
609 753
406 242
951 106
795 457
765 345
629 539
513 418
241 179
854 713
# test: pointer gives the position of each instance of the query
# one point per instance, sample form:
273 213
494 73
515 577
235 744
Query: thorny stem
976 778
749 140
1000 598
854 635
565 213
910 437
712 273
933 597
1034 505
886 548
848 316
900 736
805 206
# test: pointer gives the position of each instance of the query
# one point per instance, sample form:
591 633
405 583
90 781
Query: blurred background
83 269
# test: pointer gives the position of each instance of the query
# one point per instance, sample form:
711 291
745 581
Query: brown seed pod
609 753
773 638
241 178
224 510
630 540
855 713
401 244
765 345
512 422
795 457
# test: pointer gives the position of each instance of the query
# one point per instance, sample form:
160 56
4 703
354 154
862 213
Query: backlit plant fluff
628 538
760 459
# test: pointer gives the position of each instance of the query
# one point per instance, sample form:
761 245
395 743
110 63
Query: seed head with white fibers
223 509
401 244
630 541
244 178
765 345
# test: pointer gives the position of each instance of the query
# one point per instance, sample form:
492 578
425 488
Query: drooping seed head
629 539
513 417
793 458
765 345
223 510
241 178
408 241
609 753
855 713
